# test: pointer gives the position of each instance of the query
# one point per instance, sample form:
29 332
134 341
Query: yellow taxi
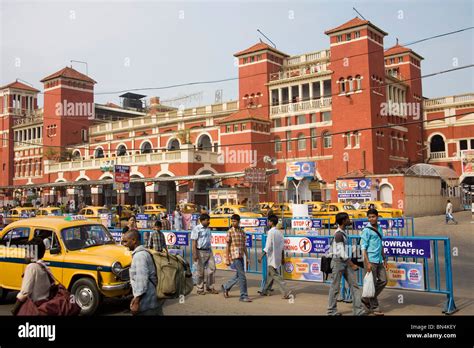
385 209
126 213
316 206
330 210
81 254
48 211
94 213
20 213
283 210
264 206
220 216
188 208
154 210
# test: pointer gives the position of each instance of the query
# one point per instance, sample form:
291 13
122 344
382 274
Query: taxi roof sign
75 218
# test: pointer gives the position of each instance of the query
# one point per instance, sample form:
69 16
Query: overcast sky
137 44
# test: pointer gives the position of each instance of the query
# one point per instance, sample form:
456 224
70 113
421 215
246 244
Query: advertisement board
303 268
306 244
300 170
405 275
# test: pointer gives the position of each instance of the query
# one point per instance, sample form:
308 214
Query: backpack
174 275
326 266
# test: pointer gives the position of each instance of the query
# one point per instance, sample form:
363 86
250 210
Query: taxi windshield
103 211
386 205
349 207
81 237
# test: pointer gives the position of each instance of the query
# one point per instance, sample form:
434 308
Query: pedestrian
165 223
374 259
177 219
143 278
342 266
157 241
235 251
203 256
274 251
449 213
36 282
132 223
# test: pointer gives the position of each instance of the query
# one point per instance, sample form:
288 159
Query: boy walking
449 213
374 259
274 250
235 251
157 240
342 266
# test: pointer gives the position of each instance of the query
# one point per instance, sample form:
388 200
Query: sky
150 44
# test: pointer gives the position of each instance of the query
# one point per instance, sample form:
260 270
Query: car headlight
116 268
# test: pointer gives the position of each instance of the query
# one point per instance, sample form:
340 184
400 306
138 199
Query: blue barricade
404 226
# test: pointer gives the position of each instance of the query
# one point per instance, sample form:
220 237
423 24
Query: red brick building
343 108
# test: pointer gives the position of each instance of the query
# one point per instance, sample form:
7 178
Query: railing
463 98
26 143
308 57
302 106
290 73
436 155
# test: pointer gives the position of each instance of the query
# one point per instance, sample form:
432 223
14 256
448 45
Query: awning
137 180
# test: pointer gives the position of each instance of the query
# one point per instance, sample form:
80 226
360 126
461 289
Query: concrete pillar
321 88
96 196
300 92
310 91
280 96
151 192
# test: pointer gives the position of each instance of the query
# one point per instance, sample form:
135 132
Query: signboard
176 238
218 240
255 175
117 235
405 275
353 185
354 194
142 220
384 223
121 173
467 159
407 247
253 222
306 223
300 170
304 268
306 245
106 220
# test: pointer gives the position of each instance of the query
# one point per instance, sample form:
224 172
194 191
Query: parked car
330 210
154 210
220 216
385 209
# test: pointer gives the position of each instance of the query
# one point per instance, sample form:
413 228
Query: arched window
99 153
351 84
358 82
301 142
204 143
76 155
173 145
278 147
121 150
437 144
342 85
146 147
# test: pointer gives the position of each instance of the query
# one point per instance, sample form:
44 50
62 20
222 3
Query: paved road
311 298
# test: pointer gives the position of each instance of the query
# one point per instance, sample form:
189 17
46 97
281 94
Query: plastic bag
194 272
368 290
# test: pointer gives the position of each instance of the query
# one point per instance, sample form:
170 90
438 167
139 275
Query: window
278 147
244 126
327 140
357 34
236 127
146 147
463 145
356 139
358 83
227 129
301 119
121 150
84 135
277 122
342 85
400 59
351 84
326 116
392 60
339 38
348 37
347 139
313 118
252 59
314 140
301 142
245 60
288 141
288 121
99 153
16 236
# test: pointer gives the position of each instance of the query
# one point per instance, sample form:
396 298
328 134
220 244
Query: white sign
106 220
298 244
249 222
218 239
301 223
300 210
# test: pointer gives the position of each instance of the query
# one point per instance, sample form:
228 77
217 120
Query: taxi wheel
87 295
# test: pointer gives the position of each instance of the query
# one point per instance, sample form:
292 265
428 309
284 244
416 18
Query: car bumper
115 287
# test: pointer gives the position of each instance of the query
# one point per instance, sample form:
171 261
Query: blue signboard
176 238
384 223
300 170
248 240
142 217
317 223
407 247
117 236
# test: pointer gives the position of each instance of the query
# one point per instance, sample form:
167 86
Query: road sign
255 175
122 173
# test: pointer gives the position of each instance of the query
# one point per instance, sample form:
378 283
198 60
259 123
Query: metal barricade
404 226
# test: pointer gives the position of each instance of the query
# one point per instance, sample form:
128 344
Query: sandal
212 291
201 292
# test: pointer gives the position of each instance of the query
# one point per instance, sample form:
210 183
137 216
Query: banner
142 220
384 223
405 275
306 223
218 240
176 238
106 220
353 185
354 194
253 222
220 259
300 170
304 268
407 247
306 244
117 236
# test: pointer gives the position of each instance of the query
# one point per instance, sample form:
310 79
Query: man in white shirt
274 250
449 212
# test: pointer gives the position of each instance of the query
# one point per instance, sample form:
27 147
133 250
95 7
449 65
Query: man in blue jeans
235 251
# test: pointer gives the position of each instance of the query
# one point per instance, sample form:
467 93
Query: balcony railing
463 98
436 155
182 156
302 106
27 143
308 57
296 72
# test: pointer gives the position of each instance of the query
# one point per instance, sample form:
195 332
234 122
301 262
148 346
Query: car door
53 260
12 262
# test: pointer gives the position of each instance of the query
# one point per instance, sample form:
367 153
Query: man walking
449 213
235 251
143 277
165 223
203 256
274 250
342 266
374 259
157 241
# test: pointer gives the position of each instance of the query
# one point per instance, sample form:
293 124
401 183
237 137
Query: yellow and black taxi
125 214
385 209
81 254
95 213
330 210
284 210
220 216
49 211
18 213
154 210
